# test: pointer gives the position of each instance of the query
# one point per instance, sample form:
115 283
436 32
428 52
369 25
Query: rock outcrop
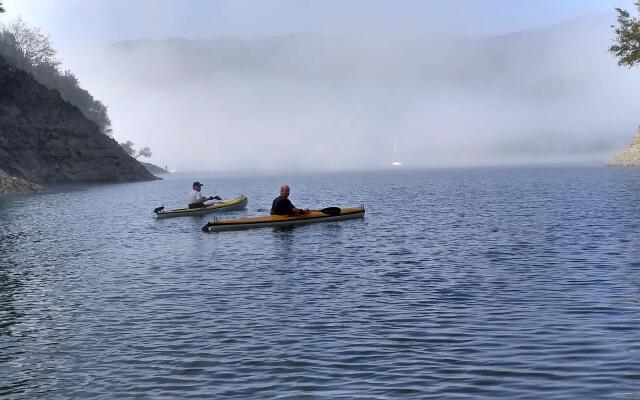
629 157
44 139
12 185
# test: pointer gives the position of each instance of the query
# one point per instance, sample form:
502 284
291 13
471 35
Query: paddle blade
331 210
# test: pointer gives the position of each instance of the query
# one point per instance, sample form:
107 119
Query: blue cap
196 183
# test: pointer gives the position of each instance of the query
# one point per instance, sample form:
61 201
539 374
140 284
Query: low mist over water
330 102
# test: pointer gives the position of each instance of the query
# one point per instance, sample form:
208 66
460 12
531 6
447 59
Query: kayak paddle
331 210
328 210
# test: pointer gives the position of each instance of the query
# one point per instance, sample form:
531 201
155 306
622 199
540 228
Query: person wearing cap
196 199
282 205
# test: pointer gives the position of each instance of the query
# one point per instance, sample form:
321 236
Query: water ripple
505 283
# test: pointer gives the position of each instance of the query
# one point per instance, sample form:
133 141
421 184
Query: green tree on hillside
128 148
34 44
627 46
29 49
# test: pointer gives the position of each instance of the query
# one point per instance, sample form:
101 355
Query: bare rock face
630 157
12 185
44 139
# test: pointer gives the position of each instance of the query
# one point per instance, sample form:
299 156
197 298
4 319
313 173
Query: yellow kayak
238 203
329 214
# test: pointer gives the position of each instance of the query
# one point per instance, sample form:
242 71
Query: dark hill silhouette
44 139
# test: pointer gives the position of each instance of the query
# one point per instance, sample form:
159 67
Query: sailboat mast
395 162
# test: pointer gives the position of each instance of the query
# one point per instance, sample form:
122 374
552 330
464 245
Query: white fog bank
315 102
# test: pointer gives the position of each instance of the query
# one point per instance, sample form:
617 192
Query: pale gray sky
110 20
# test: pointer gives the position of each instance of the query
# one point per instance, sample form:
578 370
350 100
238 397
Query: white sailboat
396 162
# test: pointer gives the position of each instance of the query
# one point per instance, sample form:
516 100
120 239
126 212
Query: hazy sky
447 106
69 21
72 21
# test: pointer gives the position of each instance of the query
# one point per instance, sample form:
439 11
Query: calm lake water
486 283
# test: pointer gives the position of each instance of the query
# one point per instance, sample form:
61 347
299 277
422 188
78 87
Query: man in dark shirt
282 205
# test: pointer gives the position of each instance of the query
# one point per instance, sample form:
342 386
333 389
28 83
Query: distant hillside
44 139
557 53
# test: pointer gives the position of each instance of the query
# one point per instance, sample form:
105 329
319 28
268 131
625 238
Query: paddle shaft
327 210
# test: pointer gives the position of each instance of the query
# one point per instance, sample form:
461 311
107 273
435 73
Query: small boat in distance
397 162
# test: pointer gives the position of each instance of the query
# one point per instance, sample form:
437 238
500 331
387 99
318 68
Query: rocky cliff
629 157
44 139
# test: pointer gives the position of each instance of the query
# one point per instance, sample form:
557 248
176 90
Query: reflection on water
11 278
492 283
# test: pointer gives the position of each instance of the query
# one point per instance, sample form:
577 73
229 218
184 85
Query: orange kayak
332 214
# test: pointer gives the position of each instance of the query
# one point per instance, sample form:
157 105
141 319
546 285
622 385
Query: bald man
282 205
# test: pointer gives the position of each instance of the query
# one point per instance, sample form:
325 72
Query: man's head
284 190
197 185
